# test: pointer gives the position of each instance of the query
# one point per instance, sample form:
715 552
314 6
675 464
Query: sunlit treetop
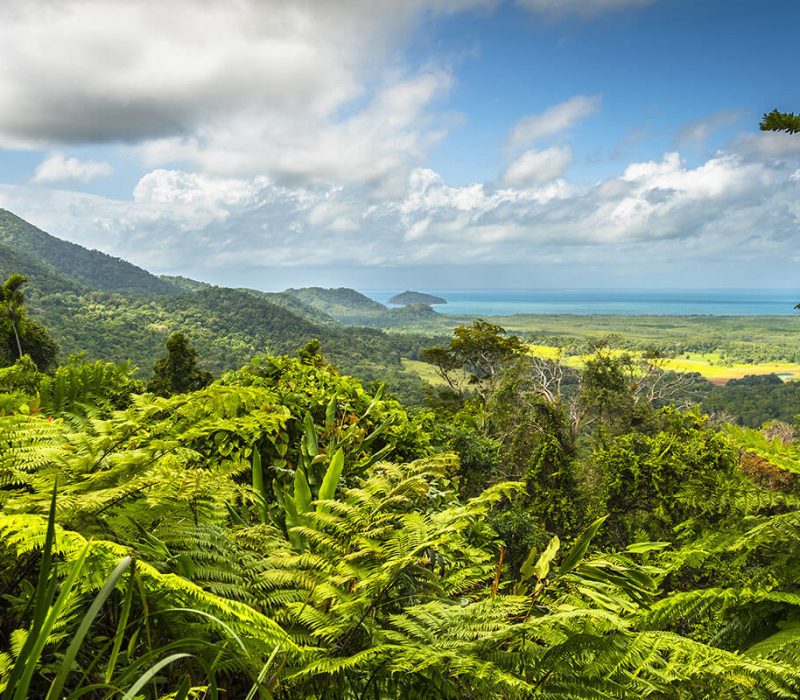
781 121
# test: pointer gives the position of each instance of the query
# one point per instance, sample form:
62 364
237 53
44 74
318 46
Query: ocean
717 302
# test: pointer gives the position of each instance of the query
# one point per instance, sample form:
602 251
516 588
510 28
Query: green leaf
580 547
235 517
644 547
42 634
120 632
374 401
310 435
150 673
526 570
542 566
45 590
377 432
302 492
330 412
334 472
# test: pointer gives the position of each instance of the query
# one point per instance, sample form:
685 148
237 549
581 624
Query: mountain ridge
92 269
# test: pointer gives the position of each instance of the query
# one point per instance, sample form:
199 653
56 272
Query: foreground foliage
283 533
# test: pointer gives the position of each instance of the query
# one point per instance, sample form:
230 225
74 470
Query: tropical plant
177 372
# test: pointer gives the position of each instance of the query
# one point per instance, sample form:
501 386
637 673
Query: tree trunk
16 335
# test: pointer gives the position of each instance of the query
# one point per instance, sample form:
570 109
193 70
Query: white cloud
582 8
767 144
554 120
733 209
535 167
56 168
308 89
391 133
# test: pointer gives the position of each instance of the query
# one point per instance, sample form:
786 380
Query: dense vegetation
755 400
543 531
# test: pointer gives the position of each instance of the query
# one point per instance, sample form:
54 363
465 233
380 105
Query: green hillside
90 268
42 277
187 284
346 305
294 304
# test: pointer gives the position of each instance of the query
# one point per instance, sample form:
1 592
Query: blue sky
438 143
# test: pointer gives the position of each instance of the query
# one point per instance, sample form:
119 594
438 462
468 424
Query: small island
406 298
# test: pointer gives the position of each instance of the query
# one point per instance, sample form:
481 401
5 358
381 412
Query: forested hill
108 308
88 268
353 308
227 327
344 304
406 298
42 277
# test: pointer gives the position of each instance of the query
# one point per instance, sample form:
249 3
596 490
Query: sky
434 144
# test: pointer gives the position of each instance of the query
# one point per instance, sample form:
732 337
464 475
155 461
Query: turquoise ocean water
717 302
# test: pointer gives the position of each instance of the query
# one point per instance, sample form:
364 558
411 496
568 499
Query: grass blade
72 651
148 675
41 635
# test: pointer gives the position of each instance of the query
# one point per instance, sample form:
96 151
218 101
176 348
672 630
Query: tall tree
13 300
19 334
475 355
177 372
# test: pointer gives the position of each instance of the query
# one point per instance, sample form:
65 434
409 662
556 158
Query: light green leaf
334 472
542 567
302 492
580 547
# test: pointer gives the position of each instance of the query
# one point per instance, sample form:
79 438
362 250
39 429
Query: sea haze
716 302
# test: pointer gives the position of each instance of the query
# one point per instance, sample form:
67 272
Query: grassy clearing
720 373
424 371
711 366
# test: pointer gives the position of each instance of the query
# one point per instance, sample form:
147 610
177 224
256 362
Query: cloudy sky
423 143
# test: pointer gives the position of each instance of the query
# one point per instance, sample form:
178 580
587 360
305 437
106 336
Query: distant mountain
406 298
87 268
285 300
294 304
345 305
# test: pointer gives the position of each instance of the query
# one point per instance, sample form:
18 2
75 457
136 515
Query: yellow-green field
720 374
708 365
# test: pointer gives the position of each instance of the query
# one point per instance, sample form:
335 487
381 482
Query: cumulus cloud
553 120
582 8
535 167
731 209
233 87
378 143
59 169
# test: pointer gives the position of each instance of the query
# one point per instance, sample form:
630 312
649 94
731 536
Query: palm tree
13 299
